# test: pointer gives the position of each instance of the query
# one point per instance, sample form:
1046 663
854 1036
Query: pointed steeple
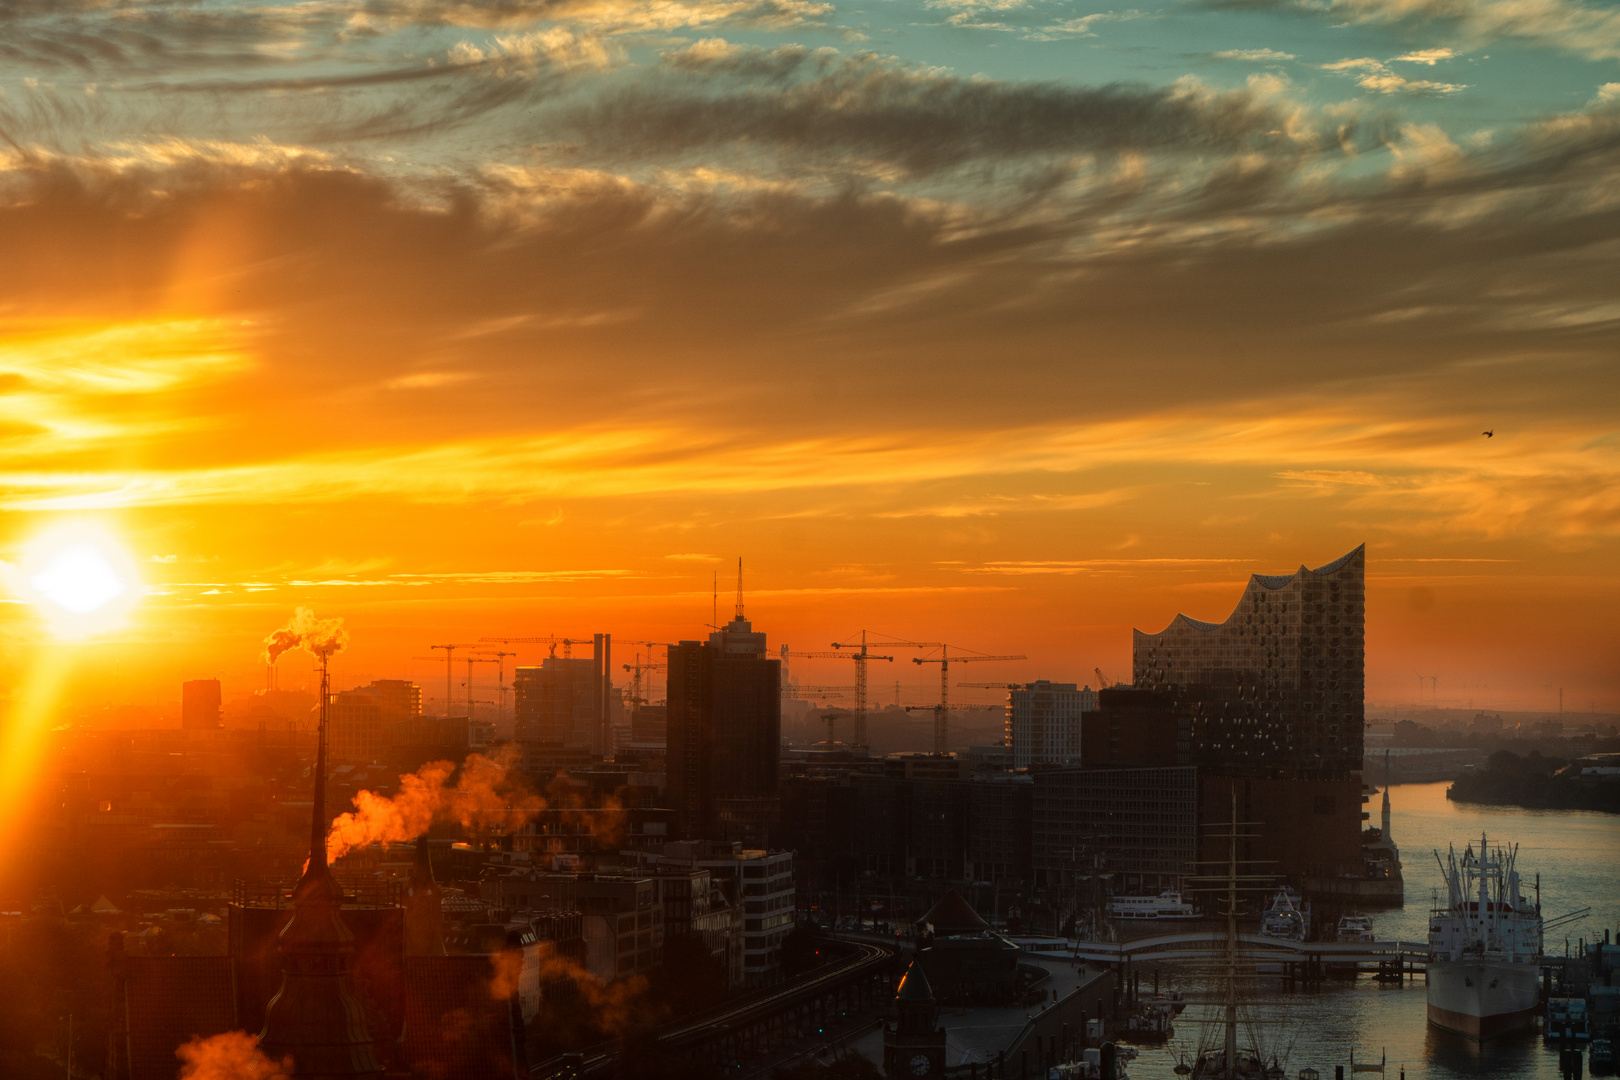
314 1017
1387 838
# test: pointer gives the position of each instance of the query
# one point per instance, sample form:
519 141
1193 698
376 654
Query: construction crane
861 658
796 689
936 710
471 660
942 710
449 654
859 687
500 677
635 670
553 640
1102 680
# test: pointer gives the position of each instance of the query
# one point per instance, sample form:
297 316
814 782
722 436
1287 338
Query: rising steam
233 1055
321 638
486 795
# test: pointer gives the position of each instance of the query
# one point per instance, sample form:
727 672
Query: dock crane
942 710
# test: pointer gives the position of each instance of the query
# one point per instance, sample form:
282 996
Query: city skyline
1018 324
808 539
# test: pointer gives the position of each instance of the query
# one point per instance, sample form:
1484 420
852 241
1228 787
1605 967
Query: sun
80 579
77 576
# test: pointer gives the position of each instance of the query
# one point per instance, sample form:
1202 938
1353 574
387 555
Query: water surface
1576 853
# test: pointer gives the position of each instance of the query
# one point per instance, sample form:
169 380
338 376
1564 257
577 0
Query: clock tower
915 1046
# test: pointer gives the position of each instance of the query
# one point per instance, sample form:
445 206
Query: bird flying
1489 434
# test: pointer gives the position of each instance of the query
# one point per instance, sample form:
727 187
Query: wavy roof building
1279 684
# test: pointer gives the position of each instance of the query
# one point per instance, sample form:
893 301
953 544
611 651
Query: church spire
314 1017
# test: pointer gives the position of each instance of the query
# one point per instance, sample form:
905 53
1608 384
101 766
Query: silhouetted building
359 720
411 743
1140 825
724 734
199 705
1043 722
648 724
1274 699
565 702
1281 681
555 702
1137 727
1000 816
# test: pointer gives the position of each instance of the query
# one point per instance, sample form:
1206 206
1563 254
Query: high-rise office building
199 705
724 733
1043 722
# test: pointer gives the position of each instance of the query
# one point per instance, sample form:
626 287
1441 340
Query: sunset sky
1010 323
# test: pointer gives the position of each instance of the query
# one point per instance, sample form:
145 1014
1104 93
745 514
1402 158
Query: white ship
1484 946
1167 905
1287 917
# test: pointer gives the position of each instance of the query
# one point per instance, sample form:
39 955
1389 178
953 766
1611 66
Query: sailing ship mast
1231 945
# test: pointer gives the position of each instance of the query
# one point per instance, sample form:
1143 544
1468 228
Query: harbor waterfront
1574 852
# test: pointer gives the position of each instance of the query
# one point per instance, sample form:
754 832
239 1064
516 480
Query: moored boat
1167 905
1484 946
1287 917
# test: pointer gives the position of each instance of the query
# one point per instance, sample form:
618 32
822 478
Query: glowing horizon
1015 325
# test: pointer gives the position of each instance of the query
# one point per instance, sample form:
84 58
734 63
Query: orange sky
459 326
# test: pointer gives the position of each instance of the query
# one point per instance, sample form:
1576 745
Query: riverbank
1534 782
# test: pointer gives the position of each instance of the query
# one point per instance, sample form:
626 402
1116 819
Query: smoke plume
591 1008
508 971
233 1055
486 797
321 638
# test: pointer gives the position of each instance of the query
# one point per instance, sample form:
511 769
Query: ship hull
1482 998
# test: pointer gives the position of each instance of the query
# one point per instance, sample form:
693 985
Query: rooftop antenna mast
740 604
714 610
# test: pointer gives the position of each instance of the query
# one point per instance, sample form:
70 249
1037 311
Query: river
1577 854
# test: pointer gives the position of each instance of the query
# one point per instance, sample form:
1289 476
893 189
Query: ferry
1167 905
1485 941
1355 928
